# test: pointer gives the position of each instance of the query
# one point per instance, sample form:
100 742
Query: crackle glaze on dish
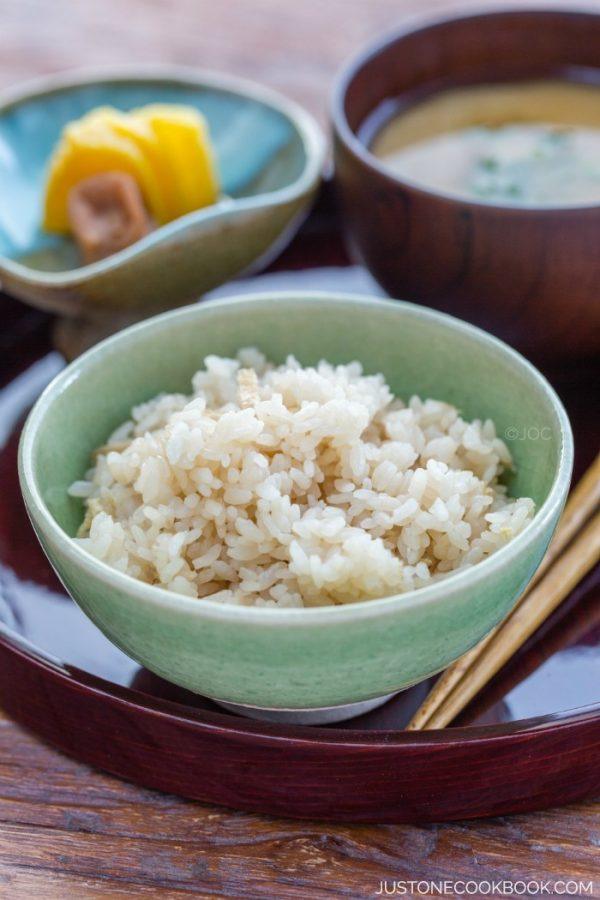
269 154
305 657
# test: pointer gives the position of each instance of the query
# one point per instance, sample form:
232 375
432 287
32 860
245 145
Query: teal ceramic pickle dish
297 658
269 154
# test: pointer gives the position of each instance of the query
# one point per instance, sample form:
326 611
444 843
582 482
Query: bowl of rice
297 502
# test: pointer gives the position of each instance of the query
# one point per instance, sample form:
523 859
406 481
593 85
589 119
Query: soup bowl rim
421 24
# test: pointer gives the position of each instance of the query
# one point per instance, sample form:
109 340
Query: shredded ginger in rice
289 486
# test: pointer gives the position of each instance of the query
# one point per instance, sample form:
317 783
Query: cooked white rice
290 486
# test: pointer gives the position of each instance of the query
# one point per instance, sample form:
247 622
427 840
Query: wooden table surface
67 831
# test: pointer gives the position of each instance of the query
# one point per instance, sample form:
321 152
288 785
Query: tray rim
307 773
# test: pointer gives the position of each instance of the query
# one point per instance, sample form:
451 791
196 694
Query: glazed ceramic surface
297 658
530 275
269 154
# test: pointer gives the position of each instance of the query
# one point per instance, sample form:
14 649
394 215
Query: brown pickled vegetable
106 214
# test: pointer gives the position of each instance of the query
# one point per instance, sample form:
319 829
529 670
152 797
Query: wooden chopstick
582 503
573 565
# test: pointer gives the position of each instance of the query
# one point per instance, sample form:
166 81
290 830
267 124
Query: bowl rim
422 23
271 616
305 125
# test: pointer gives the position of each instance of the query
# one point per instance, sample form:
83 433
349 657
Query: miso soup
528 143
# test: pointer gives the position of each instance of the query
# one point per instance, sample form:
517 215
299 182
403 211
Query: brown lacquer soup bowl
530 274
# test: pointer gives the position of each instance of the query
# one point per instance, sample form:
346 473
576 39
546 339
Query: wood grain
69 832
294 47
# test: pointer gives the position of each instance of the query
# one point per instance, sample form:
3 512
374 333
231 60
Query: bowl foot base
72 336
323 715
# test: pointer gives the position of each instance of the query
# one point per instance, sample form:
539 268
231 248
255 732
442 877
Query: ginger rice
295 486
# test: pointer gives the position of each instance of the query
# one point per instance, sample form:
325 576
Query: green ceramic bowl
289 659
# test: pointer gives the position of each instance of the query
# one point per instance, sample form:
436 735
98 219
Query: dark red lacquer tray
532 739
